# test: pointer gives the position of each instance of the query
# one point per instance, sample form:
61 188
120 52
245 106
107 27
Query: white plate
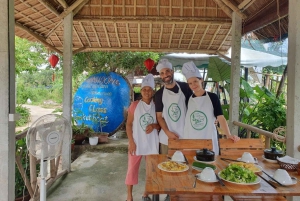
252 183
269 160
212 181
294 181
195 158
185 169
178 161
240 159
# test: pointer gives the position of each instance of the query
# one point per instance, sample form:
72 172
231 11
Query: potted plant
103 136
80 133
93 138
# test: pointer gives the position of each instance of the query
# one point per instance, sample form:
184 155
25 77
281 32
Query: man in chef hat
142 131
170 104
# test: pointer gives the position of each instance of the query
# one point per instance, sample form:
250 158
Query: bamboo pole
52 168
24 176
52 180
32 165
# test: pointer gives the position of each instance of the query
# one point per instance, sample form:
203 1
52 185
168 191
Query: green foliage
218 70
121 62
25 115
29 55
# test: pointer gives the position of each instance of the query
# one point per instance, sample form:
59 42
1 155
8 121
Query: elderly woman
141 128
203 109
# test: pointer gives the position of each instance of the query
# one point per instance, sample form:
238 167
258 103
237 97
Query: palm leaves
218 70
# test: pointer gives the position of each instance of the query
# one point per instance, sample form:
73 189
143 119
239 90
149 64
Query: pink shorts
133 169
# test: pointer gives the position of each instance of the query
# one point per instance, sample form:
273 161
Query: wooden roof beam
86 36
106 34
49 7
58 39
52 30
182 33
245 4
234 8
203 36
203 51
225 38
128 35
266 16
117 35
63 3
76 33
194 32
225 9
160 35
38 37
76 10
139 34
150 35
79 50
171 35
213 39
72 8
157 20
95 32
224 56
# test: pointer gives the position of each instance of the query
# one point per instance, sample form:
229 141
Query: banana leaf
218 70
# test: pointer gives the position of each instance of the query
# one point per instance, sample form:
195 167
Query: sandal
147 198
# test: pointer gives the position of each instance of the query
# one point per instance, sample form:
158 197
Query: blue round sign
101 100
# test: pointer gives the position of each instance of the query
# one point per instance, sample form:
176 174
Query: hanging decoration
149 63
53 59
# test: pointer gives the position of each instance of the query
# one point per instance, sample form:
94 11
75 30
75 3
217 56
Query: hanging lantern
53 59
149 63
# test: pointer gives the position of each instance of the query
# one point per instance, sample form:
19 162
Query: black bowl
205 155
272 153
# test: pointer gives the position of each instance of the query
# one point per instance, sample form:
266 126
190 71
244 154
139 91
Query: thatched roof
197 26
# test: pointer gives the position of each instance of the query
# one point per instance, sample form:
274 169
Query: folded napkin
288 159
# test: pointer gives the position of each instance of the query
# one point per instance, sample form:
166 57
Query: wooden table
161 182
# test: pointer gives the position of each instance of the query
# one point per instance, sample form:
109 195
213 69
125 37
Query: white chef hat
148 81
189 70
163 63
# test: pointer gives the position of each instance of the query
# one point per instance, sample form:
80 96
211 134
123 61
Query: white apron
199 121
144 115
173 112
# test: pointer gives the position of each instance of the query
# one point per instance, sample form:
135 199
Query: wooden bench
189 146
256 148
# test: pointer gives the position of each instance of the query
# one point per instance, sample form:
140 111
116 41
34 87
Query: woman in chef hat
203 109
142 131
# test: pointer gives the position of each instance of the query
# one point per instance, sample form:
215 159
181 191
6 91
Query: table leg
155 197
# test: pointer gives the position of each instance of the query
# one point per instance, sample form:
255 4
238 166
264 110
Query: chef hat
163 63
148 81
189 70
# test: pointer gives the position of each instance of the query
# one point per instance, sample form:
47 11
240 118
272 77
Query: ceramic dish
269 160
240 159
195 158
212 181
294 181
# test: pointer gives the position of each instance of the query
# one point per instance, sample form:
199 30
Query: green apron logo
145 120
174 112
198 120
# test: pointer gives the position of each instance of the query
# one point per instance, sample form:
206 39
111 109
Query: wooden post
24 176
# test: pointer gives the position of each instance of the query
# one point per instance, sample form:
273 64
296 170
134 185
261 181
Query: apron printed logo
198 120
145 120
174 112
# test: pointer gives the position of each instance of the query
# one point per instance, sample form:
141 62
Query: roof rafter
128 35
171 35
63 3
194 32
38 37
139 34
150 35
225 8
225 38
79 50
203 36
76 33
52 30
106 34
72 7
182 33
235 8
213 39
161 31
86 36
49 6
116 30
245 4
95 32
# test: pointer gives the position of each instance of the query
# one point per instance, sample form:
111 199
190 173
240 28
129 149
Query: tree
29 55
121 62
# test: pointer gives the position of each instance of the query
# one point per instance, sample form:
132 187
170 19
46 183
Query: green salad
238 174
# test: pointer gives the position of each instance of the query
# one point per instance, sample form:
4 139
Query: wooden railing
31 183
268 135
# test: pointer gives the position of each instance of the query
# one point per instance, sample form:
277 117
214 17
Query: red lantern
53 59
149 63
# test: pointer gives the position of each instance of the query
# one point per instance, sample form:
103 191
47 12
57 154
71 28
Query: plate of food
251 166
195 158
238 175
172 166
